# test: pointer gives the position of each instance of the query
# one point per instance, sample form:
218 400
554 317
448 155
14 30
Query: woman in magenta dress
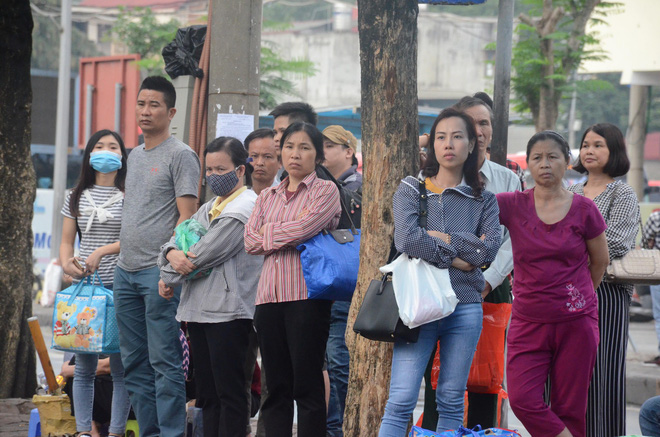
560 256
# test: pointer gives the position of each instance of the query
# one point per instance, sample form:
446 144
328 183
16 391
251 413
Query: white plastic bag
52 282
423 292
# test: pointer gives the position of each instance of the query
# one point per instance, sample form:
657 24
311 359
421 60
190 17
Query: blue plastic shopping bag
464 432
84 319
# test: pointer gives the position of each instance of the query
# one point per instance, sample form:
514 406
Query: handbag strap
421 220
348 215
89 280
423 204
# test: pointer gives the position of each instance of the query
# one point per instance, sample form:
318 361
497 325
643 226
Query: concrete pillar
502 82
235 54
635 137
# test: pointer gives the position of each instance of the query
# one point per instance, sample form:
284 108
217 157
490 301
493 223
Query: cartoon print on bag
577 300
83 330
63 332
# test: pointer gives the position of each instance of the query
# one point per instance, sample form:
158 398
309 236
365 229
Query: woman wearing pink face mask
93 210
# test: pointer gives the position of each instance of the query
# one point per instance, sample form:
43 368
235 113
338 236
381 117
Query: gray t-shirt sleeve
185 172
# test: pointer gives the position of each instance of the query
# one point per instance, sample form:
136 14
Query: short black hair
258 134
468 102
485 98
296 111
471 165
550 135
314 134
159 83
234 148
618 163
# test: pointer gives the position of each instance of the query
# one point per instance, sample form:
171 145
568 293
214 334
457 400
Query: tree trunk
547 113
548 109
388 60
17 185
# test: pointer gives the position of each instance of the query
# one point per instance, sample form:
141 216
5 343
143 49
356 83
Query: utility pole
502 81
235 54
62 128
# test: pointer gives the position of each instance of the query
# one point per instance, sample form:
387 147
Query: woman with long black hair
93 209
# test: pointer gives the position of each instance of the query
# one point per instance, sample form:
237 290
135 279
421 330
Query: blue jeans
655 296
151 352
83 393
649 417
338 365
458 334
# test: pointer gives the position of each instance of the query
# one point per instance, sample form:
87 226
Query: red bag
435 370
487 371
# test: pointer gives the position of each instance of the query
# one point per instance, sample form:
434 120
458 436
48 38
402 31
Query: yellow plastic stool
132 429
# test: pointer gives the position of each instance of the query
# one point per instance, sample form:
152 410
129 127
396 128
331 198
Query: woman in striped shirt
93 210
291 329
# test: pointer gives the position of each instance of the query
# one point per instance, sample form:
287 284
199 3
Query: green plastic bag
186 234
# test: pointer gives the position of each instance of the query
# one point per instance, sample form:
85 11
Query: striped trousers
606 407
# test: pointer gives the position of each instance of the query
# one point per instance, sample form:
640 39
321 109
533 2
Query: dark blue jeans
151 352
338 365
649 417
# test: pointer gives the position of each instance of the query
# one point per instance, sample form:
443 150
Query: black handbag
378 318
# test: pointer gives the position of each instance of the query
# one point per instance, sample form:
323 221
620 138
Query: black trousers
292 339
220 351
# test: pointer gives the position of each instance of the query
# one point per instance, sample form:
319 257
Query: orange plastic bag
435 370
487 371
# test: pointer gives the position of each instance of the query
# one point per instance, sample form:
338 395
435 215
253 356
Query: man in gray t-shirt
161 192
156 179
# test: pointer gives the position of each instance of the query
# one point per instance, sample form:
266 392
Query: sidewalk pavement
643 381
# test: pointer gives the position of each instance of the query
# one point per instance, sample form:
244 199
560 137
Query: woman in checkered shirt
603 158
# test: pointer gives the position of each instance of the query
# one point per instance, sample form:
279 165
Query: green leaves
549 51
275 73
142 33
46 39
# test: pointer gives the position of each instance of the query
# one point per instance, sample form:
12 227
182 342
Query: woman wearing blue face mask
93 210
218 307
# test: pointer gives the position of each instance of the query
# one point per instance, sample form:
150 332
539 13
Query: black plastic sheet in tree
182 55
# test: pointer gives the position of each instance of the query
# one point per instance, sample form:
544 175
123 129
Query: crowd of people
240 291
